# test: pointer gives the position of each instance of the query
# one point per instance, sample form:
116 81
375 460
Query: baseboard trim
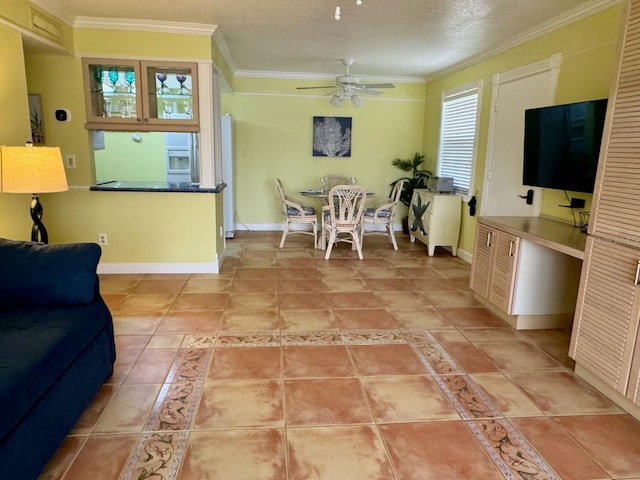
151 268
277 227
464 255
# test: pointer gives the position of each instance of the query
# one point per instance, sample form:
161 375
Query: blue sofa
56 348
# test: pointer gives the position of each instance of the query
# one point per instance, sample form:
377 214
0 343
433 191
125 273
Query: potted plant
417 179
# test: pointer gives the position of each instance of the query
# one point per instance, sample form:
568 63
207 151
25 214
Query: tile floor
289 367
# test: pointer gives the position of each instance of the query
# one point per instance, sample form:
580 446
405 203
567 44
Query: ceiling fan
349 86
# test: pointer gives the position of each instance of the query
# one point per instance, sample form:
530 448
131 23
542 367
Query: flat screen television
562 145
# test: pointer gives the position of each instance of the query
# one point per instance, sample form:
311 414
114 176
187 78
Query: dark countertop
183 187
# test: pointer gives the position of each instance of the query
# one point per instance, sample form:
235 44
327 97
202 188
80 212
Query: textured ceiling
387 38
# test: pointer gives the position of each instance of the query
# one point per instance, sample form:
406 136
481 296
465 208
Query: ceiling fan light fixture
358 2
356 100
336 100
337 14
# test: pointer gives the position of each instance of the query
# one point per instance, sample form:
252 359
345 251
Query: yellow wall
135 161
273 135
588 49
153 228
273 131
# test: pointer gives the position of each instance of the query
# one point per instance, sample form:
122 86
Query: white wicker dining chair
329 181
342 217
294 213
382 215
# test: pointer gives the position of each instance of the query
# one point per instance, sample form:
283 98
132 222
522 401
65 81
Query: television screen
562 145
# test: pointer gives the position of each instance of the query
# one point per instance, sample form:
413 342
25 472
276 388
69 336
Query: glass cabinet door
171 92
147 96
112 91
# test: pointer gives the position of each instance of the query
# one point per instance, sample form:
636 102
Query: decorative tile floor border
508 449
159 451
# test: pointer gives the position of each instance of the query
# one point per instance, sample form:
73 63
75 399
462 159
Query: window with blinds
458 135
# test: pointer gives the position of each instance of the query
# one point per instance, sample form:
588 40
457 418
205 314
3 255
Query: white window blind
458 133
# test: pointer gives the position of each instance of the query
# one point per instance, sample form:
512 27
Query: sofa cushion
36 274
37 345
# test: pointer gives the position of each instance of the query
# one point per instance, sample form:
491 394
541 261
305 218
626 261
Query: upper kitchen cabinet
141 95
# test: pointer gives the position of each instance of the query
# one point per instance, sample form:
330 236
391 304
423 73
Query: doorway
513 92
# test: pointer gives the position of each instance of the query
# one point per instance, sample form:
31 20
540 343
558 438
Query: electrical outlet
70 161
103 239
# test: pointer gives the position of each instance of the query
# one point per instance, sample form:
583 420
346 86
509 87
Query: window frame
463 91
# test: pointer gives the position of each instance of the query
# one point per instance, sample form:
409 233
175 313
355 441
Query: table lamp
33 169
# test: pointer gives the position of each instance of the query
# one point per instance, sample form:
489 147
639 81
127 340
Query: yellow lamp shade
32 170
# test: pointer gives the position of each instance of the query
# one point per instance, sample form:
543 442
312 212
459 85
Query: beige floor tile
469 317
165 341
245 363
314 402
223 454
128 410
202 321
407 399
365 319
307 285
302 301
418 318
437 451
557 448
254 300
136 324
151 367
339 452
200 301
253 286
354 300
162 285
317 361
131 342
240 403
145 302
611 440
507 398
207 285
114 448
386 360
307 320
562 393
516 356
469 357
250 321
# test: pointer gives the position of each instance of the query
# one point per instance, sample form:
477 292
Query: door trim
552 65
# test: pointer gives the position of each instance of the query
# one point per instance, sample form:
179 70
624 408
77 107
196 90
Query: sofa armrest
37 274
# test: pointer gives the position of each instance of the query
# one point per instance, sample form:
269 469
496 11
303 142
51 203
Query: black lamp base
38 232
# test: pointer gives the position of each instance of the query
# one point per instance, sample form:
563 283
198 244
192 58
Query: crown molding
567 18
218 38
321 76
54 9
144 25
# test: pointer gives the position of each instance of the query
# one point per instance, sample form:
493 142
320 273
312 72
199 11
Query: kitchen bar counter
182 187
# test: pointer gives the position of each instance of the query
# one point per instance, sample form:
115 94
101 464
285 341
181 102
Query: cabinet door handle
139 120
511 245
489 238
635 281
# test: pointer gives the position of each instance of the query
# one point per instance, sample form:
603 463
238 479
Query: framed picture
331 136
36 119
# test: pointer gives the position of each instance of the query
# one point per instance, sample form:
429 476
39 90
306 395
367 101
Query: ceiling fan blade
309 88
370 91
379 85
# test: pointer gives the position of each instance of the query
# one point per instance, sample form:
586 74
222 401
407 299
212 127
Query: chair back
396 192
329 181
284 201
346 205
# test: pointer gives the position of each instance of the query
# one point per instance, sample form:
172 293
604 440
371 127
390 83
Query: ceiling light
358 2
336 100
337 14
356 100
